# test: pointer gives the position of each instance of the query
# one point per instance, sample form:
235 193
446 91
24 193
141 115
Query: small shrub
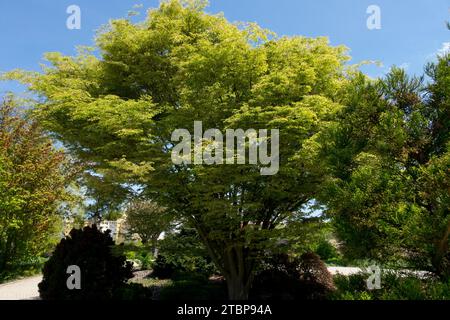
147 260
162 269
274 285
102 273
327 252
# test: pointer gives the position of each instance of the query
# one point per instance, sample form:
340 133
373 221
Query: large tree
389 162
33 176
117 108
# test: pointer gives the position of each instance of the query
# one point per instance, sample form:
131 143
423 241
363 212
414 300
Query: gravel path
25 289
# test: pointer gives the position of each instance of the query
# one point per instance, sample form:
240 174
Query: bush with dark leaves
316 281
286 278
102 273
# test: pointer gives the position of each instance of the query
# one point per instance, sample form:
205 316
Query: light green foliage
118 112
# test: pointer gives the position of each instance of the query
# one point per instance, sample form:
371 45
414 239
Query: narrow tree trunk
155 247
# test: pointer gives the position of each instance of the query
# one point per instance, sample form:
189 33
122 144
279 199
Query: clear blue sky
412 31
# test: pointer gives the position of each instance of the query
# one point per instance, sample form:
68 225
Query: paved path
25 289
348 271
345 271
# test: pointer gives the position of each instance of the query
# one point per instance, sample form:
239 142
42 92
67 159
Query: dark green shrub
327 252
274 285
277 279
102 273
162 269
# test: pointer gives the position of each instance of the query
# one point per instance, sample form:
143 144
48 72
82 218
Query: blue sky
412 31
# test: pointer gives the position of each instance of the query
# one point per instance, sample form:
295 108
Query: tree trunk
238 289
239 272
155 247
232 260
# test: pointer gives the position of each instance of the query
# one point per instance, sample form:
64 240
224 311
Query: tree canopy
117 110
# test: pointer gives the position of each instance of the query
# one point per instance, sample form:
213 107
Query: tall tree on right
389 166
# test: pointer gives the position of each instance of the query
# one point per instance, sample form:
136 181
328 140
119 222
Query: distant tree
33 176
104 197
148 220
